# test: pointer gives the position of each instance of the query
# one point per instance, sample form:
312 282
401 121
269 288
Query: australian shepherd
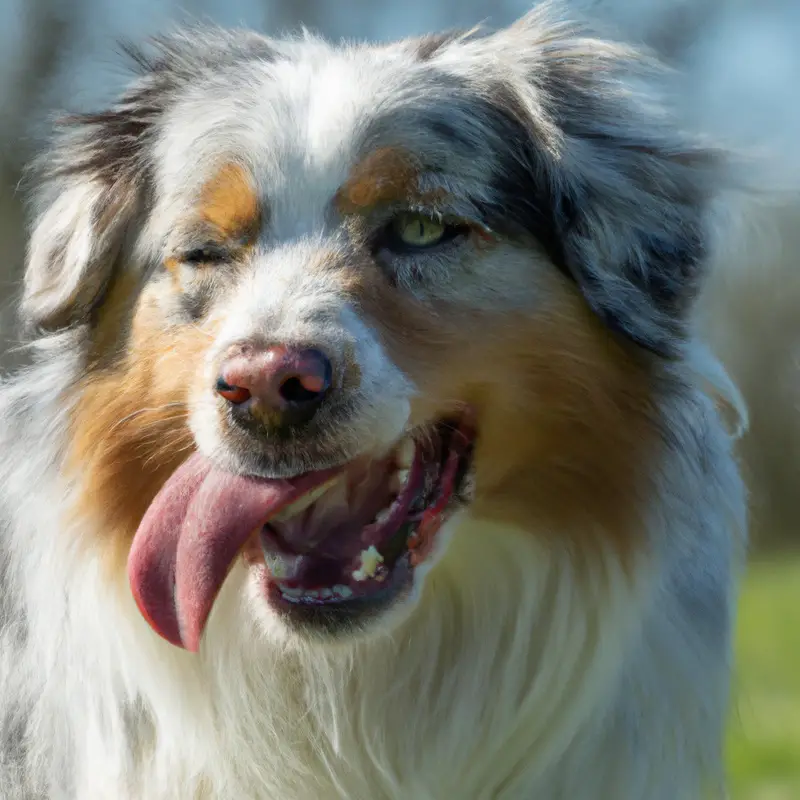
369 446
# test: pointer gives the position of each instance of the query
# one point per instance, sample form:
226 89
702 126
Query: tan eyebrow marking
386 175
229 203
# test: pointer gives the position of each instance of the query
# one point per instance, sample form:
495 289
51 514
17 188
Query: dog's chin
327 625
349 559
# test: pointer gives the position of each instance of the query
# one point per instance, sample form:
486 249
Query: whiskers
180 411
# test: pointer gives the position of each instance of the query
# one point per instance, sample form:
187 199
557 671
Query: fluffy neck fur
528 669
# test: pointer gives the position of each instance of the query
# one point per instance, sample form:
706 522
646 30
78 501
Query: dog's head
331 295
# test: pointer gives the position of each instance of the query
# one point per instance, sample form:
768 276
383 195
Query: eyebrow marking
390 175
229 203
386 175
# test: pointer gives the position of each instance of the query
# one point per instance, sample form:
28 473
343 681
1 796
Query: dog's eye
411 232
418 230
203 255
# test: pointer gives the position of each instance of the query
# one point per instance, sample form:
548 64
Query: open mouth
332 545
357 536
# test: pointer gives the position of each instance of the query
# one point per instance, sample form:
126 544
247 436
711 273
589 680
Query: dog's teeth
293 595
402 476
281 566
382 516
405 453
302 503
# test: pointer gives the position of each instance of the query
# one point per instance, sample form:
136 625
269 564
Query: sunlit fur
571 638
737 66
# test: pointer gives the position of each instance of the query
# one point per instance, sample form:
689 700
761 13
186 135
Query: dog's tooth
382 516
312 593
281 566
405 453
402 476
326 594
303 502
344 592
290 592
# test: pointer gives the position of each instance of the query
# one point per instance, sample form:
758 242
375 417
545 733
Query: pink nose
287 383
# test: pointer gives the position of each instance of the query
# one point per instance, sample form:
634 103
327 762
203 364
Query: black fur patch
641 287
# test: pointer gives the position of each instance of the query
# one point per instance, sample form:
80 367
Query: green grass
764 735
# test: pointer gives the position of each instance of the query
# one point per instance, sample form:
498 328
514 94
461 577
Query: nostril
308 379
233 394
298 390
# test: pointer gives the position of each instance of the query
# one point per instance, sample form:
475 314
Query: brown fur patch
568 421
111 319
386 175
172 264
129 428
229 203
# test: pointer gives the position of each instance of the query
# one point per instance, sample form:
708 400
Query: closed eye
209 254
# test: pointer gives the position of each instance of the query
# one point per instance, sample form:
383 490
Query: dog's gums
346 539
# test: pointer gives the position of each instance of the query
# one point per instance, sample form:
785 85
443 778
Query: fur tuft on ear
91 184
73 249
602 175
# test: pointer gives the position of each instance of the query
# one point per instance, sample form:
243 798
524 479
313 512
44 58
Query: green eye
418 230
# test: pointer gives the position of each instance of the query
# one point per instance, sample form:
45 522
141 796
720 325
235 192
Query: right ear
89 188
74 248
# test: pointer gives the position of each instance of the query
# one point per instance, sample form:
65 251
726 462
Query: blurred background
57 55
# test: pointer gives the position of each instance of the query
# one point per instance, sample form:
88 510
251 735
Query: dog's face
332 296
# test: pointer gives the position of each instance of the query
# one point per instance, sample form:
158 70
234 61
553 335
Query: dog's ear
604 176
89 189
74 248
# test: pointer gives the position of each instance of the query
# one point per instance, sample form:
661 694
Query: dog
371 444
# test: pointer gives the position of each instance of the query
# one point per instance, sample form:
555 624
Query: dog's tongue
189 537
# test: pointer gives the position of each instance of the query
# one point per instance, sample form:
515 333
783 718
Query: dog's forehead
301 123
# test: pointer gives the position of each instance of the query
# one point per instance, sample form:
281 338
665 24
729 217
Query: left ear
625 190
